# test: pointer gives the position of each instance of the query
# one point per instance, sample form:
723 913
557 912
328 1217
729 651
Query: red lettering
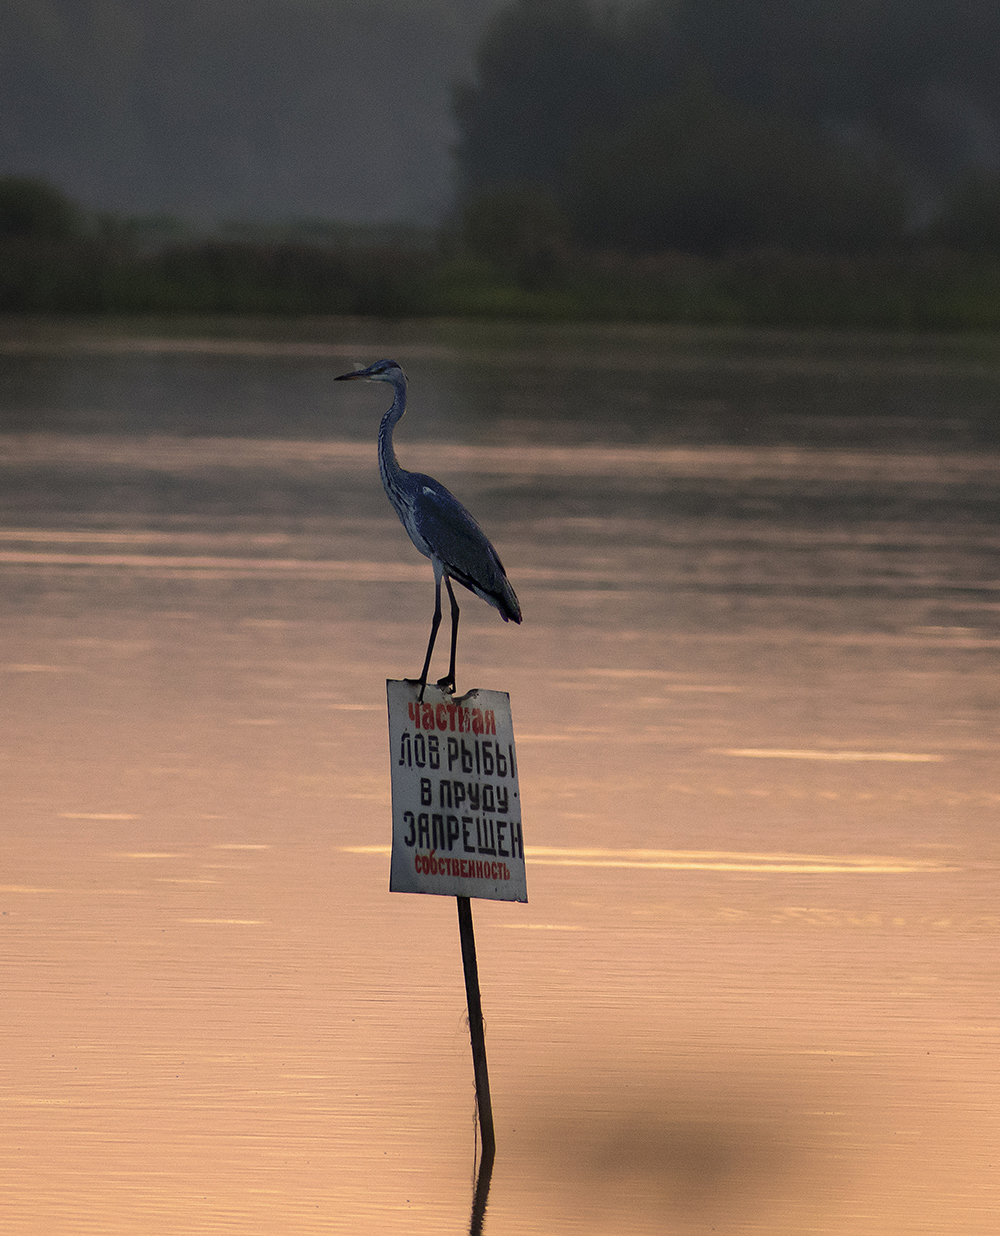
427 864
491 722
413 709
427 717
464 868
477 720
452 709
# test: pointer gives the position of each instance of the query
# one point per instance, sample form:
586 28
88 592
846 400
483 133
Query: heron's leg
435 623
448 684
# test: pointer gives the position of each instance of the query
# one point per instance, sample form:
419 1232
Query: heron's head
381 371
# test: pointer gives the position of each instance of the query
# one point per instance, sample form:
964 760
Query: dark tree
545 72
821 113
694 172
32 209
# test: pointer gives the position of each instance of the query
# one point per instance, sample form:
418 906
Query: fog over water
755 700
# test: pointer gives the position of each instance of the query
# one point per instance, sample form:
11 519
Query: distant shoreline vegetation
510 255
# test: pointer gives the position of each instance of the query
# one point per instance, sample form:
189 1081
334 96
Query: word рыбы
481 756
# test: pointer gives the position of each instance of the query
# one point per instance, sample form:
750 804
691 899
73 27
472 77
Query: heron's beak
347 377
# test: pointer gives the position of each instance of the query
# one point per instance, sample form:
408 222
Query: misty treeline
745 161
56 256
713 125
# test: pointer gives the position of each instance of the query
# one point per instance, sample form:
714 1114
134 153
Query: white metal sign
456 808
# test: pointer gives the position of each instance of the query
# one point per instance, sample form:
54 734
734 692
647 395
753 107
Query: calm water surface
756 699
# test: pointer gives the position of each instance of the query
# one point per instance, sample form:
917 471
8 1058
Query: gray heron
438 525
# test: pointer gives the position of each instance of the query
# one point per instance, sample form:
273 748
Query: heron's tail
507 603
496 591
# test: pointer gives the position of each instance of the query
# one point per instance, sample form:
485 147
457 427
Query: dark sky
215 109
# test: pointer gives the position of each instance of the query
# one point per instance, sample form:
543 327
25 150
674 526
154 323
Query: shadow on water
719 1149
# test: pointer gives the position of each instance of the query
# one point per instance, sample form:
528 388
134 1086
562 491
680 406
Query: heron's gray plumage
438 524
466 554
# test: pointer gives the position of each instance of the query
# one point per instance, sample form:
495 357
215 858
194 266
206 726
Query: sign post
472 997
456 822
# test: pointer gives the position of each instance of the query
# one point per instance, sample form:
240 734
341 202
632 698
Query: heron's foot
447 683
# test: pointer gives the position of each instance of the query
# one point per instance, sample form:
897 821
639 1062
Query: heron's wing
456 540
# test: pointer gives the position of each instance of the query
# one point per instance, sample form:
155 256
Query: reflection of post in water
482 1193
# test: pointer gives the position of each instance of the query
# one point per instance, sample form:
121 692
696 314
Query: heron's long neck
388 464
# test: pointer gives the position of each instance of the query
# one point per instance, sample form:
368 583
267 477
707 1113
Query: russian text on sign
456 806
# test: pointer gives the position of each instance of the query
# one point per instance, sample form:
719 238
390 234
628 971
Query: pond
755 696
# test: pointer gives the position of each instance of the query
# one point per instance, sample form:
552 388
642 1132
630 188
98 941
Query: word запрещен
441 830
